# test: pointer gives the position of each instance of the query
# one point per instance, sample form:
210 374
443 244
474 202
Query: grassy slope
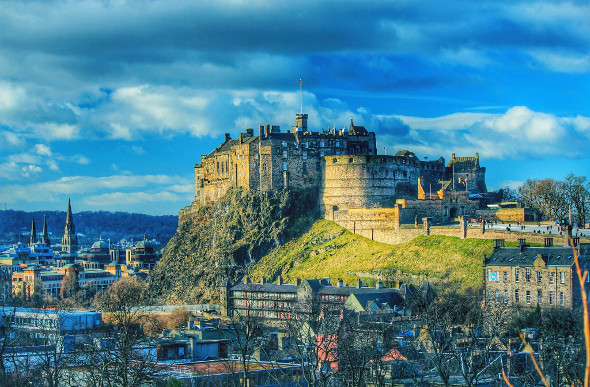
328 250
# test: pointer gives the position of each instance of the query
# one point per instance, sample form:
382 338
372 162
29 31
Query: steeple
45 235
33 238
69 242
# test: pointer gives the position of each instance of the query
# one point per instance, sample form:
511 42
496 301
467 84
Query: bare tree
122 345
578 194
548 196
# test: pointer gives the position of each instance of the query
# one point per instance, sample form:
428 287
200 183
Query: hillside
328 250
226 239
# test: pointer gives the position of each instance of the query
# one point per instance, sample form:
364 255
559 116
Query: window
516 296
321 144
337 143
284 154
516 274
561 300
538 276
550 298
505 276
285 166
550 275
562 277
528 297
528 275
505 296
306 145
539 296
304 155
321 153
497 296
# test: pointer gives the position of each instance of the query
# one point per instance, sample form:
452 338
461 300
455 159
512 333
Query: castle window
285 166
306 145
550 298
321 144
264 166
497 296
516 296
334 160
304 167
304 155
350 159
284 154
321 153
337 143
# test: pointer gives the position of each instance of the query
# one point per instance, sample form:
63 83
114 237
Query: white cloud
42 149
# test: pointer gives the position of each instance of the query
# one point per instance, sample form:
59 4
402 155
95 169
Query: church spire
33 238
45 235
69 242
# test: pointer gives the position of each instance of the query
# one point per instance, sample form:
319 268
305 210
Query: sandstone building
527 276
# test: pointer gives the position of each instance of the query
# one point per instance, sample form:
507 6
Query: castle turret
69 242
33 238
45 235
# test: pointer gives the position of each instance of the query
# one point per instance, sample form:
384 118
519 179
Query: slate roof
267 287
391 297
512 256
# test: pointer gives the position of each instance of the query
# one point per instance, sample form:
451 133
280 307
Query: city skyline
112 103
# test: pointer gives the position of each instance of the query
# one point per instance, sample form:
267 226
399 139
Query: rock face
223 240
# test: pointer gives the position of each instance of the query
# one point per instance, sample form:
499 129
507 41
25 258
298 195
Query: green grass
328 250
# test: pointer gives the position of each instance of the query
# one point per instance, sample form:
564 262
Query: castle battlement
343 164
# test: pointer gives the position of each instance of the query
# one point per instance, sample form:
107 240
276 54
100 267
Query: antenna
301 94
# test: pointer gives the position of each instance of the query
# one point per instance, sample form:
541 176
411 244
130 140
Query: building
69 241
305 298
142 256
526 276
34 278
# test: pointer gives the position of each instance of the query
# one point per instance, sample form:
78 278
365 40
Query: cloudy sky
112 102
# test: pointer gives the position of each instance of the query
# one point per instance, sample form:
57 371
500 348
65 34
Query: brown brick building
529 276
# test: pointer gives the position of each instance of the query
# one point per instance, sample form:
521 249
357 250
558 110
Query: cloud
516 134
42 149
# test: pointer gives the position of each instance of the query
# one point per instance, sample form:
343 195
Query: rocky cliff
226 239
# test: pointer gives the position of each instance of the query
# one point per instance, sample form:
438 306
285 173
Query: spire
45 235
69 242
33 238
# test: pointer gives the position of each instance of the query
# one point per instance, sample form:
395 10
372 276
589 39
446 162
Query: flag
299 80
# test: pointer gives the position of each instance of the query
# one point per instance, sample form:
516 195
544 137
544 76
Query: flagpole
301 94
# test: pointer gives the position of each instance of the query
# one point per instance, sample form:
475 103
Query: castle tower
69 242
45 235
33 238
301 121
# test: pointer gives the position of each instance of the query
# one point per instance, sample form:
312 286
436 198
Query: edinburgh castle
358 188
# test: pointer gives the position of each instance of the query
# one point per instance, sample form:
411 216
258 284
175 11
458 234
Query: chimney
298 281
359 283
498 243
266 130
263 279
227 137
280 280
339 283
549 242
522 244
260 131
379 284
575 241
247 280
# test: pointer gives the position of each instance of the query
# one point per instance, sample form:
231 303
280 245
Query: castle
346 169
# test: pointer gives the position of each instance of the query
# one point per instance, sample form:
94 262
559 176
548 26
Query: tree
578 195
548 196
510 195
119 357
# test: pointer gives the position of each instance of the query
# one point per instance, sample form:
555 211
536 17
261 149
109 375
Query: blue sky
112 102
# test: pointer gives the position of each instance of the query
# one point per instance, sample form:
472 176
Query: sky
111 103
